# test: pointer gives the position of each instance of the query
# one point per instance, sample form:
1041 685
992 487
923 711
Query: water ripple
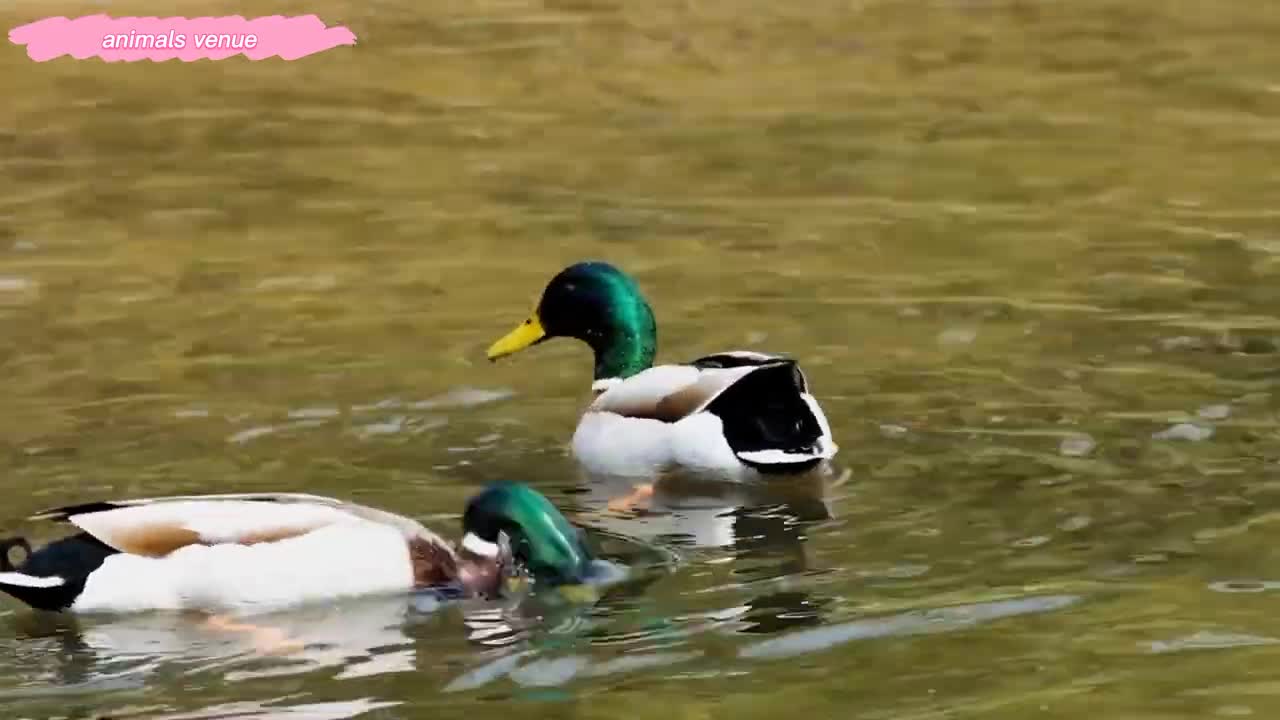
911 623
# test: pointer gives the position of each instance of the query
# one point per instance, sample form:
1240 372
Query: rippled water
1027 251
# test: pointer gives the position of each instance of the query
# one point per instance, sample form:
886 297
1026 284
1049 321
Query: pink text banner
130 39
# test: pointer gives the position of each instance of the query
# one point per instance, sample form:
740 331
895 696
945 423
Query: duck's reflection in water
758 519
757 530
359 638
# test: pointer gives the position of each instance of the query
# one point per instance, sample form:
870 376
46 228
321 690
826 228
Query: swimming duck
739 414
257 552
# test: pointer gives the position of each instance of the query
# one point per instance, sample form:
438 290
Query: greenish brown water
1012 242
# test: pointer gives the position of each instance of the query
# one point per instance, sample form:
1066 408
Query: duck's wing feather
156 527
672 392
751 358
738 358
64 512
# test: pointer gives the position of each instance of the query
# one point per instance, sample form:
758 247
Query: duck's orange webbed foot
638 494
266 640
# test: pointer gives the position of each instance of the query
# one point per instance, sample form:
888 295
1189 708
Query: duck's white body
342 560
228 553
606 443
668 417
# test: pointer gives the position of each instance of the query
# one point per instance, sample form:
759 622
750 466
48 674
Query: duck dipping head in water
259 552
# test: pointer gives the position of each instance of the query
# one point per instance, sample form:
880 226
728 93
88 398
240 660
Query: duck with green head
252 553
736 414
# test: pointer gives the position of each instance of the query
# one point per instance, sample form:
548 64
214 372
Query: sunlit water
1027 251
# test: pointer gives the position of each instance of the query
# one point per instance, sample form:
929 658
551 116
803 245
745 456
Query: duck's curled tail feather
6 549
30 589
52 577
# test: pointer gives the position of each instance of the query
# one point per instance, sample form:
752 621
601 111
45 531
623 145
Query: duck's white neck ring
603 384
475 545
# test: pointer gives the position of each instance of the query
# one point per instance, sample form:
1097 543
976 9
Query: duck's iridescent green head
598 304
541 538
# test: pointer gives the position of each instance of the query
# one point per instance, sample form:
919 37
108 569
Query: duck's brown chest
433 564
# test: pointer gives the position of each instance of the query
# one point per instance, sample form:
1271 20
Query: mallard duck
258 552
738 413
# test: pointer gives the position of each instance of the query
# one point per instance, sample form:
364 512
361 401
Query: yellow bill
514 585
583 594
526 333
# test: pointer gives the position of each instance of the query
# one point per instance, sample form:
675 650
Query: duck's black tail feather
30 589
52 577
767 422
